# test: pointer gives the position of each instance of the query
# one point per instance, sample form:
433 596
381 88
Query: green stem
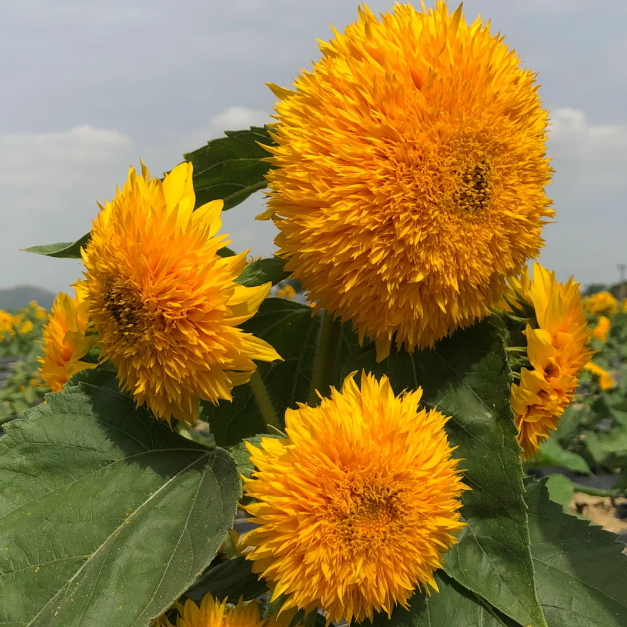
263 400
326 352
594 491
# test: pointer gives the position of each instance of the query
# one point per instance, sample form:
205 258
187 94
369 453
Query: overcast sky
89 86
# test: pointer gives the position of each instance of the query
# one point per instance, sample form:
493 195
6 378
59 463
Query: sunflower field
385 423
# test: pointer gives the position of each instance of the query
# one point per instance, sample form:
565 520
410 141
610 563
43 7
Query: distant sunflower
213 613
410 168
65 342
557 353
6 325
602 328
605 379
601 303
166 306
357 504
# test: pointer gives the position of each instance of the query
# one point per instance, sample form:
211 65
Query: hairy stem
263 400
326 353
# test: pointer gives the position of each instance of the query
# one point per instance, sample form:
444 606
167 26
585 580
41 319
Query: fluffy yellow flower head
557 353
6 325
601 303
64 339
357 504
602 328
213 613
605 379
166 306
409 174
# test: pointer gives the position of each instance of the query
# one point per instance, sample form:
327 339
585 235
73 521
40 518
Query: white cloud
235 118
50 184
34 157
590 162
590 154
231 119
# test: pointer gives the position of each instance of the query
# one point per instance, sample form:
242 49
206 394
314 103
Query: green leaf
99 377
552 454
231 167
581 573
567 426
242 456
453 606
263 271
106 515
601 445
230 580
561 490
466 376
292 330
226 252
62 250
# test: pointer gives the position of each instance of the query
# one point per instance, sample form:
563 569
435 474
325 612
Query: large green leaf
453 606
106 515
231 167
581 573
466 376
62 250
291 328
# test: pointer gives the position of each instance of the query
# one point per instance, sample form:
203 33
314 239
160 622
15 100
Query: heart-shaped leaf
106 515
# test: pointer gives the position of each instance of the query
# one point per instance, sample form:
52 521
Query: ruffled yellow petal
166 306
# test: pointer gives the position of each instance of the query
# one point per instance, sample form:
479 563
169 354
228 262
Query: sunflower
556 352
38 310
357 504
65 342
213 613
604 377
286 292
601 303
602 328
409 174
6 325
26 327
166 306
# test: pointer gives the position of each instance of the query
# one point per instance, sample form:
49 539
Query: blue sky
89 86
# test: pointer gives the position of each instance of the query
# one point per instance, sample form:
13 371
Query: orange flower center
474 187
127 310
366 517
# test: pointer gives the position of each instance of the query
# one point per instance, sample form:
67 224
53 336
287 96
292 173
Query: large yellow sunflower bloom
164 303
357 504
64 339
409 174
557 353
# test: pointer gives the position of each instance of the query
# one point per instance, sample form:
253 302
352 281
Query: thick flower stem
326 353
263 400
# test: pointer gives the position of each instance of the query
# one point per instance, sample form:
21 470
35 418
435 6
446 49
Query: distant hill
17 297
